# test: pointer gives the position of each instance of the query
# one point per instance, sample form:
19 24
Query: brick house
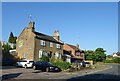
74 51
33 45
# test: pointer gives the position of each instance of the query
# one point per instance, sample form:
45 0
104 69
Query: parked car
24 63
87 64
45 66
8 62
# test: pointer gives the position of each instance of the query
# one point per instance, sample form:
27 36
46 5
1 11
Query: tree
12 38
89 55
6 47
100 54
15 40
14 47
97 55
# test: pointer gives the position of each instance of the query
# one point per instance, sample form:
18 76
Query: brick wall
25 44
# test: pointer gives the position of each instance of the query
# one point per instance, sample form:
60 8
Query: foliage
6 47
109 56
61 64
14 47
116 60
12 38
44 58
98 55
89 55
52 59
108 61
113 60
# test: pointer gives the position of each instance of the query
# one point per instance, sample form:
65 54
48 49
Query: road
108 74
22 73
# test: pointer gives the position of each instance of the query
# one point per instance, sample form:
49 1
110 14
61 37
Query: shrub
44 58
61 64
116 60
108 61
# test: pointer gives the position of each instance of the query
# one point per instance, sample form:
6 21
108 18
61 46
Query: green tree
89 55
12 38
97 55
15 40
100 54
14 47
6 47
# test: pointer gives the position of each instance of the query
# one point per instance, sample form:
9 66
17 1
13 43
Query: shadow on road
96 77
10 76
8 67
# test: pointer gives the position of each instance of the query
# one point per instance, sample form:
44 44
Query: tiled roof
46 37
74 47
118 54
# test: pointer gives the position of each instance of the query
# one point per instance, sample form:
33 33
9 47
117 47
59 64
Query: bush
44 58
114 60
61 64
108 61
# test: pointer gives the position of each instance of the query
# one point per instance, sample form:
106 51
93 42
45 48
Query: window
58 46
42 43
77 53
51 44
40 53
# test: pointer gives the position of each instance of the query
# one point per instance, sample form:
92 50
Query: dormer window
43 43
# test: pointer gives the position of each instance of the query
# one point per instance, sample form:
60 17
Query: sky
90 24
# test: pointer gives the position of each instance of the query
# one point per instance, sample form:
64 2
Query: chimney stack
31 25
77 45
56 35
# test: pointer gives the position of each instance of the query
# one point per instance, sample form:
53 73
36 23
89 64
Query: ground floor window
40 53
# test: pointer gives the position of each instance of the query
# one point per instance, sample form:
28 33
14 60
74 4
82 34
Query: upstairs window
58 46
43 43
51 44
77 53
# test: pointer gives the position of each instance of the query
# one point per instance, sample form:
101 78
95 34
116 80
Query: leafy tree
89 55
100 54
12 38
14 47
97 55
6 47
15 40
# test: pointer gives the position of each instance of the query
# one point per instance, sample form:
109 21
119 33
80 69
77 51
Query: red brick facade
74 50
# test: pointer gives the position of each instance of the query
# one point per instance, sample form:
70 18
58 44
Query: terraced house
33 45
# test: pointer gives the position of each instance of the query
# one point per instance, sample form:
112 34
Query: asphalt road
30 74
108 74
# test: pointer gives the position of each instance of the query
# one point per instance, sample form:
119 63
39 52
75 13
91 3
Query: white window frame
58 46
40 53
42 42
51 44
